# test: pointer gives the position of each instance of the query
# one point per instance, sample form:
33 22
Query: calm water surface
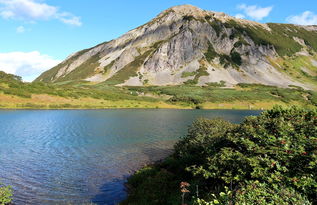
57 157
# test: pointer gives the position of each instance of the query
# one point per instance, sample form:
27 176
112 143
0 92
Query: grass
188 74
83 71
256 96
280 36
48 75
15 94
129 70
300 68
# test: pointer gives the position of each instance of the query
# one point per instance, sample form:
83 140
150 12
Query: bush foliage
5 194
268 159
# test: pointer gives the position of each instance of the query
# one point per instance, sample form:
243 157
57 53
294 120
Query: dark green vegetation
213 93
202 71
12 85
211 53
5 194
234 59
182 96
269 159
281 36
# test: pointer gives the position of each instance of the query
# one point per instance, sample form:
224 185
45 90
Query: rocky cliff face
185 44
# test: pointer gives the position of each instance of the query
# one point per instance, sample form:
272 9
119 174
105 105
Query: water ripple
60 157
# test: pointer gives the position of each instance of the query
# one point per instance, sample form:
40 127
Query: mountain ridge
187 45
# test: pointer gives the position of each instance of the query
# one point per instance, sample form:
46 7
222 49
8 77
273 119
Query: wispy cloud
254 11
306 18
26 64
70 19
32 10
20 29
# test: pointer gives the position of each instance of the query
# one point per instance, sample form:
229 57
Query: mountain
188 45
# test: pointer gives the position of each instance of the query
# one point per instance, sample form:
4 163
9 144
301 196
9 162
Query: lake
81 156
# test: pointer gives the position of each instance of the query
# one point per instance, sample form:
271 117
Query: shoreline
141 108
137 105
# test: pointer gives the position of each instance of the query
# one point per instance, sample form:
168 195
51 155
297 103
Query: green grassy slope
48 75
16 94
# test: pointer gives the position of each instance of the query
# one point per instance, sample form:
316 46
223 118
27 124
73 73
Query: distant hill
188 45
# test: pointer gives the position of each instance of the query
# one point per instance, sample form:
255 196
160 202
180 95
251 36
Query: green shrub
254 192
236 58
268 159
5 194
154 190
278 147
215 24
202 71
186 99
188 18
211 53
216 84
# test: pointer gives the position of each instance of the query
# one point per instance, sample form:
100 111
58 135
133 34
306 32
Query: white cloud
306 18
20 29
68 18
32 10
255 12
28 65
239 16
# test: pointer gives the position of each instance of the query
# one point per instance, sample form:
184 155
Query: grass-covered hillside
82 95
268 159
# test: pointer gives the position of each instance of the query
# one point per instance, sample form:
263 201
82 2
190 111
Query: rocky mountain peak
190 10
188 45
187 9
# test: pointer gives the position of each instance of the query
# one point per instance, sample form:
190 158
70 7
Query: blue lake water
81 156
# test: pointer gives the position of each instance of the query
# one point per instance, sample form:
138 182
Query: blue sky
37 34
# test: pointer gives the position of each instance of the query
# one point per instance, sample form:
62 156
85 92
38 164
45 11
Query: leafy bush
278 147
155 190
186 99
268 159
5 194
236 58
254 192
216 84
